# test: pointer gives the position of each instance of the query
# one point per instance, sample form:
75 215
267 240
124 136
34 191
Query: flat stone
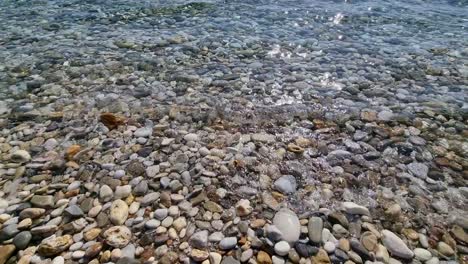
395 245
352 208
42 201
143 132
32 213
74 211
314 228
149 198
419 170
213 207
369 240
52 246
288 224
199 255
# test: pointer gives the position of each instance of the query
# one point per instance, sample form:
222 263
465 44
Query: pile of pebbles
129 193
263 132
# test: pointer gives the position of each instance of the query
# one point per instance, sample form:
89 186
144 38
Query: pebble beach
229 132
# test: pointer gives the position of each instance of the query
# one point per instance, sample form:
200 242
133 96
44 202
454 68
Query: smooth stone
215 258
395 245
277 260
315 227
246 255
143 132
191 137
329 247
305 250
8 232
286 184
422 254
160 214
263 258
58 260
445 249
32 213
228 243
105 193
282 248
433 260
288 224
22 239
353 208
122 191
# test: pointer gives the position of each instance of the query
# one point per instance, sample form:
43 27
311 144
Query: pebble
352 208
117 236
395 245
22 239
282 248
228 243
288 224
118 212
286 184
315 227
20 156
199 240
422 254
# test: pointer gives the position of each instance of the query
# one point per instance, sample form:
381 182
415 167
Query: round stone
282 248
22 239
288 224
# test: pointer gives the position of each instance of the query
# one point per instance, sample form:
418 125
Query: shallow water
301 48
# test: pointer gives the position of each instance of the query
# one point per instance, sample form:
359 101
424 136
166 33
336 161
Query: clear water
336 43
